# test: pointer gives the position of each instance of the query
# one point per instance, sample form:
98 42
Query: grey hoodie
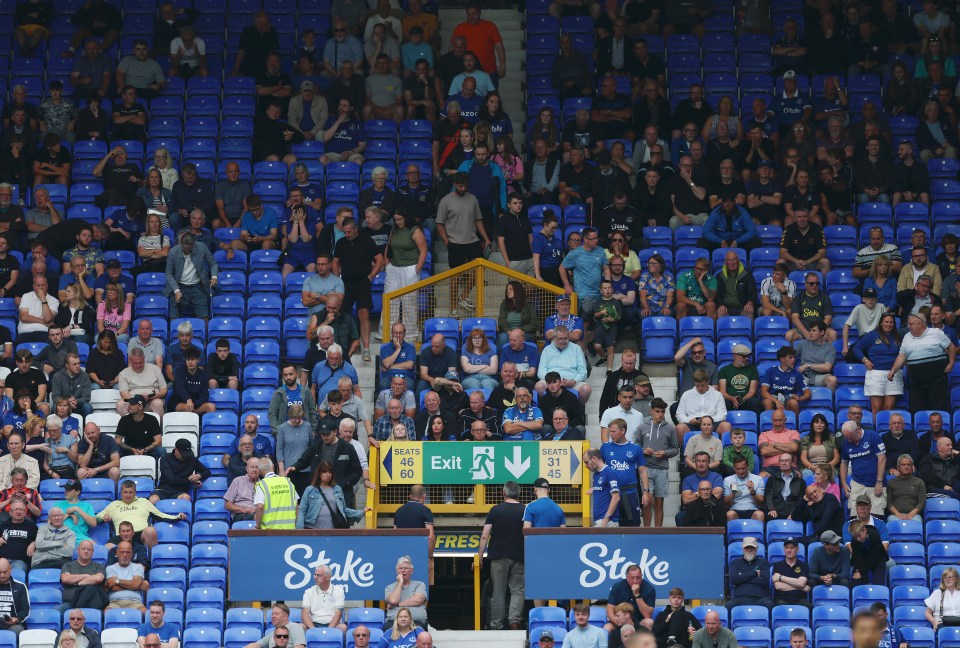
658 436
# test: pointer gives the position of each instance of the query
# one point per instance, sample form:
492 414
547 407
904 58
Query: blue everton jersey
622 460
604 484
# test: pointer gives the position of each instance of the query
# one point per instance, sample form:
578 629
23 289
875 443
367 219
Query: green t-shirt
686 281
738 378
730 453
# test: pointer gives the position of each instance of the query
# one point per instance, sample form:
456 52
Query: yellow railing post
477 563
585 491
373 495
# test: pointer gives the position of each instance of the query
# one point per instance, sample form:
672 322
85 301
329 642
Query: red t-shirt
481 39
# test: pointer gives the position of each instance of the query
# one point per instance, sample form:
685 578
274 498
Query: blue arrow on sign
574 463
388 464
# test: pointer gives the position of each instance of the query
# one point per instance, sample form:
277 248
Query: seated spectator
78 631
155 632
749 578
130 116
191 391
273 84
97 454
54 544
817 356
180 473
906 492
397 390
478 362
703 400
940 470
191 192
804 245
162 164
818 447
96 20
323 603
690 486
830 563
326 375
248 445
567 360
406 593
523 354
53 357
706 442
344 135
935 136
272 136
397 357
898 440
238 500
739 382
38 309
790 577
574 416
137 511
737 449
821 509
19 492
784 489
736 288
141 379
523 421
729 225
943 604
516 312
61 461
909 180
223 367
435 362
696 291
776 441
258 227
20 535
868 555
124 581
79 514
139 433
51 165
231 197
188 54
72 383
384 98
17 458
82 580
114 313
743 493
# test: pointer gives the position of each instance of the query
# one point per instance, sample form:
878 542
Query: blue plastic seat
919 637
251 618
209 531
910 595
947 637
169 577
899 575
206 638
213 555
205 597
942 553
789 616
204 617
169 555
907 553
737 530
941 508
546 617
913 530
320 637
753 636
45 598
208 577
869 594
370 617
749 615
122 618
831 596
832 636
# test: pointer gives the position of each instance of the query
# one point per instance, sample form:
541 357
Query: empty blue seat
907 553
546 617
247 618
941 508
370 617
831 595
749 615
910 595
919 637
789 616
752 636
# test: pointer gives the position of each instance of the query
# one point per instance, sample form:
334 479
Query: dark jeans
194 297
875 576
87 596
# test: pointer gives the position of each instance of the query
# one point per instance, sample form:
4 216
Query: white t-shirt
34 307
191 56
951 603
323 605
633 418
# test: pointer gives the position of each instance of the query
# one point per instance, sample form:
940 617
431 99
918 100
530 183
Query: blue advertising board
593 560
279 565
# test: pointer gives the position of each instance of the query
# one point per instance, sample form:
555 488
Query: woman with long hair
460 154
825 476
478 362
878 350
943 604
510 163
404 632
437 430
725 113
23 409
800 137
406 256
491 111
105 361
818 447
618 247
656 288
901 96
34 439
164 164
482 135
321 498
947 259
75 316
516 311
882 281
113 313
545 127
152 247
154 195
399 433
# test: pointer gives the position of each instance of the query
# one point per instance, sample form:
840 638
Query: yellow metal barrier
485 284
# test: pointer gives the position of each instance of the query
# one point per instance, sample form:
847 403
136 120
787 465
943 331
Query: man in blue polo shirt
604 489
167 633
523 421
863 457
640 594
628 464
523 354
397 357
543 511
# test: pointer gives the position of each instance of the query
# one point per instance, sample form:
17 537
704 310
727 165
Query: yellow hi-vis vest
279 503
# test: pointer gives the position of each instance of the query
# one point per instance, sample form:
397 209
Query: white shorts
876 383
610 525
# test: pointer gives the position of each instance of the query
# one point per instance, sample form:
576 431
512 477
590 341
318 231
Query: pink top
833 489
771 436
113 320
509 170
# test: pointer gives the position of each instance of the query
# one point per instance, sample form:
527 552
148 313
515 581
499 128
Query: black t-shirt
31 381
17 538
803 245
62 157
330 422
576 136
581 181
7 265
418 89
506 540
412 515
516 231
129 130
117 177
356 256
138 434
438 365
807 199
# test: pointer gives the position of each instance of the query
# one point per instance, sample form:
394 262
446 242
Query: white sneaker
378 335
470 499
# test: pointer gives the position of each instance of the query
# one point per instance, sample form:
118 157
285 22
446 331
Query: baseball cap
789 74
791 540
641 379
764 163
73 484
562 298
307 85
186 450
741 349
870 292
863 499
137 399
546 633
830 537
113 263
326 431
452 375
750 541
541 483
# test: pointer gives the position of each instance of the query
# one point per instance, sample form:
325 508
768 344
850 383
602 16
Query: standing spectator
878 350
180 473
863 458
929 356
868 555
256 42
357 259
503 530
190 283
483 39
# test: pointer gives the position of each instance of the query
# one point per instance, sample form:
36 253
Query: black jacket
937 473
773 492
19 607
698 513
174 473
907 298
864 559
825 514
746 288
346 466
605 55
675 627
